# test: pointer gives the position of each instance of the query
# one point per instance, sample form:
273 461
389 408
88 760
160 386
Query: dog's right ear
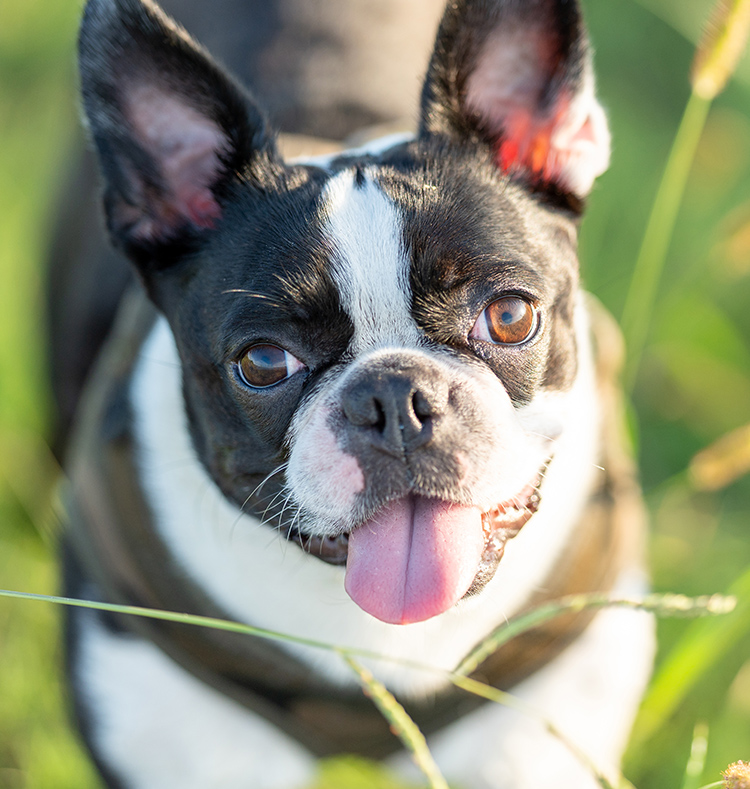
172 130
517 75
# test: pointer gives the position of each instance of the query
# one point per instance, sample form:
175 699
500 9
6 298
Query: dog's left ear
518 76
173 131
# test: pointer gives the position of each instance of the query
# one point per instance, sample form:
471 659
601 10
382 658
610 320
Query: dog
358 398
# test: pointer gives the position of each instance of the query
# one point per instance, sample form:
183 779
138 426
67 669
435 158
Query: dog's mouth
416 557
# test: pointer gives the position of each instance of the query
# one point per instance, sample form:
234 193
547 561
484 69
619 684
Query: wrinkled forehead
365 243
400 233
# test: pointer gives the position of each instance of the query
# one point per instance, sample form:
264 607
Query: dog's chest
240 564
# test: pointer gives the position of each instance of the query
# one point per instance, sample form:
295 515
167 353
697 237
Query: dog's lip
506 520
332 549
501 523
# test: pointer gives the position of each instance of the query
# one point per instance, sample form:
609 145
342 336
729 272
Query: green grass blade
508 700
401 724
697 761
662 604
703 644
172 616
641 296
666 605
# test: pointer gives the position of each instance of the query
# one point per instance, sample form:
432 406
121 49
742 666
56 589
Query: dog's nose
398 408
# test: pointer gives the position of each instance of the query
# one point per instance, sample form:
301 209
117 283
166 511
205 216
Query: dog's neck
232 555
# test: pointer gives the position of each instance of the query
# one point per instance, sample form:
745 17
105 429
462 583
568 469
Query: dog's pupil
264 365
510 320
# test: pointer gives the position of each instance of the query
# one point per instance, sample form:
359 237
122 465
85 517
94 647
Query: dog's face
377 348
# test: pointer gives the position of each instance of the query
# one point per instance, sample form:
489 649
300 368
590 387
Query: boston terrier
355 398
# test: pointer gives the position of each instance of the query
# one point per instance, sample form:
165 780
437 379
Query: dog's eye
265 365
507 321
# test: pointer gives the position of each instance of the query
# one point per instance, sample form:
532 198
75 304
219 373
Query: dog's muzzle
423 440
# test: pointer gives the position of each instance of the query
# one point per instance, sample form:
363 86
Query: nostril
421 406
379 422
362 407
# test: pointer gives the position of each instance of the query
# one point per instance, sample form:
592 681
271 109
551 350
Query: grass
398 719
692 385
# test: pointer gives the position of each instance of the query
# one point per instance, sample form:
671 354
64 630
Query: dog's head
376 348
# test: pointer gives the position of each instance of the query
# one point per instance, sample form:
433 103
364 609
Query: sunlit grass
37 117
401 725
716 59
36 749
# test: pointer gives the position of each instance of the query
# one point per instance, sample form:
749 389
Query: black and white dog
361 405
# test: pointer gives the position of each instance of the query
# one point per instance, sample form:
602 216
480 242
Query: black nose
396 408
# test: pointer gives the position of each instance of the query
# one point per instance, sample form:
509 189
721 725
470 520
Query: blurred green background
692 389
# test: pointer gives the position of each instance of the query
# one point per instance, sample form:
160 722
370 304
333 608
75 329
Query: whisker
286 504
279 468
163 362
297 518
252 295
541 435
280 501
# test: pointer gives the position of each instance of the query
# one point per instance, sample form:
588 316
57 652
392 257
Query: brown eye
265 365
507 321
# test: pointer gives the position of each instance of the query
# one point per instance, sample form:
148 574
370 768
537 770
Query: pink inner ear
566 144
203 210
185 146
191 167
570 147
527 145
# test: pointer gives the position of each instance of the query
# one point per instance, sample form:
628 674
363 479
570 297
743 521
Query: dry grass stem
721 47
666 605
401 724
722 462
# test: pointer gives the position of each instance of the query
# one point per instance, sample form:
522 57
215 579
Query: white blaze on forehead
370 265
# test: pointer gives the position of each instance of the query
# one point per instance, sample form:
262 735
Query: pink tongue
415 559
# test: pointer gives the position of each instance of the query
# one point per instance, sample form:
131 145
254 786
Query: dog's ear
172 130
518 76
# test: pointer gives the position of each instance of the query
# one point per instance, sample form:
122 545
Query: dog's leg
590 693
157 727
